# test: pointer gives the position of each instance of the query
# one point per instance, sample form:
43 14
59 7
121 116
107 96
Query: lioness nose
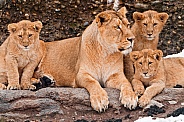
130 39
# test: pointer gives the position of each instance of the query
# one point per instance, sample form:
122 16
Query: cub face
150 23
25 33
115 31
146 62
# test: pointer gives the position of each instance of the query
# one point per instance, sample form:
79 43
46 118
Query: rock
172 102
48 101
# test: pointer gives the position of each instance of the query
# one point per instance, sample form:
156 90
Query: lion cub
155 73
146 29
20 54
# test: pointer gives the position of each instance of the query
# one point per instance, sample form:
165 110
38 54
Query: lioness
20 54
94 60
146 29
154 72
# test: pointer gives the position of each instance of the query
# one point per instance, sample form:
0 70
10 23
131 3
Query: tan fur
20 54
154 72
146 30
94 60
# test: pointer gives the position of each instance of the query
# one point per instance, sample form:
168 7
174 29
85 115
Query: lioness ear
137 16
158 54
163 17
102 18
12 27
37 26
134 56
123 11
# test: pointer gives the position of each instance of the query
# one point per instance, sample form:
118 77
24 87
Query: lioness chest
104 67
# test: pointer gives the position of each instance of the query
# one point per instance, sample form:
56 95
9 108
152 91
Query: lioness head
114 30
150 23
25 33
146 62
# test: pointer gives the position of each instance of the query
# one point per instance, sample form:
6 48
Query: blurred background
68 18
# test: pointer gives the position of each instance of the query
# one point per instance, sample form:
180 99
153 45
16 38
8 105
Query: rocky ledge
25 104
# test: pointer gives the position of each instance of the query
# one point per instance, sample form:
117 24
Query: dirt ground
68 18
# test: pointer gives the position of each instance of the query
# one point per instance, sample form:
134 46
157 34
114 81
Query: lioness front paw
99 101
143 101
129 99
13 87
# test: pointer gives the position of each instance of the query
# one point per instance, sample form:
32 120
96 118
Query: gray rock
49 101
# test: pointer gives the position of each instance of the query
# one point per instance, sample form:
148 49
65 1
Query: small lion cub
149 72
20 54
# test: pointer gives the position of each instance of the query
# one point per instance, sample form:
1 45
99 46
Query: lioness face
150 22
25 33
115 30
146 62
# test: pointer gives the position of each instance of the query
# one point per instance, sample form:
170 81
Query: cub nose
25 44
149 34
145 73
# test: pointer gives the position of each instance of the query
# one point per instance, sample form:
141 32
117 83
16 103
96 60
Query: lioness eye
30 35
140 63
117 27
145 24
20 36
155 24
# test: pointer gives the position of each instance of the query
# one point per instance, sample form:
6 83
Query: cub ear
137 16
123 11
163 17
12 27
134 56
37 26
102 18
157 54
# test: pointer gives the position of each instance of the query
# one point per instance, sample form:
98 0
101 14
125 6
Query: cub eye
20 36
145 24
117 27
150 63
140 63
30 35
155 24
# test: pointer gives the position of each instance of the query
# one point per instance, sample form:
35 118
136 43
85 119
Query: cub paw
99 101
143 101
139 91
129 99
28 87
13 87
2 86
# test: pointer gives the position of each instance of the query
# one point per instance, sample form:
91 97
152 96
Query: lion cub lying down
20 54
155 73
94 60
